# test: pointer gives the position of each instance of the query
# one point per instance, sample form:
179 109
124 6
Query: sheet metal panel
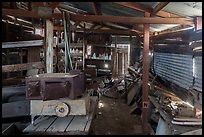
176 68
197 62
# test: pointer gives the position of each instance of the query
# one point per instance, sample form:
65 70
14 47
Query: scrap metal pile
169 114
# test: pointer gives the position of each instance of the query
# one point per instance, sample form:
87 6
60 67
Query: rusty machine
58 94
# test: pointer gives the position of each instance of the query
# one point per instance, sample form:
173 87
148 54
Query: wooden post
120 59
114 58
126 62
198 23
49 46
123 63
145 77
57 50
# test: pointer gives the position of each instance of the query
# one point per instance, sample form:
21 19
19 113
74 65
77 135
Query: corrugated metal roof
108 8
149 4
186 9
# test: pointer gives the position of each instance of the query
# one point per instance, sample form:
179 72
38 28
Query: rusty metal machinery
57 94
51 86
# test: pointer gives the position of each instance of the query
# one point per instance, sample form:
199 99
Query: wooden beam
18 21
105 31
21 44
24 66
167 14
174 29
159 7
94 8
49 46
145 77
134 6
31 14
131 20
114 56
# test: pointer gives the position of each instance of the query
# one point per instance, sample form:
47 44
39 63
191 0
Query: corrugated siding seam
177 68
198 73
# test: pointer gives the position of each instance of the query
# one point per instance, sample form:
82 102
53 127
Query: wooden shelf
101 45
72 45
98 59
77 54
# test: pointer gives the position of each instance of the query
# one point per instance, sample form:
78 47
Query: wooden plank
49 46
60 124
160 6
20 21
34 126
131 20
187 119
166 116
16 109
77 124
133 91
91 115
167 14
24 66
19 44
42 126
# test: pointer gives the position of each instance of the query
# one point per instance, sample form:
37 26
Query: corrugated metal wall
197 62
183 70
176 68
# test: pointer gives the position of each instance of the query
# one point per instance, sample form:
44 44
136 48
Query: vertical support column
57 50
123 62
49 46
114 58
145 77
198 23
126 62
120 65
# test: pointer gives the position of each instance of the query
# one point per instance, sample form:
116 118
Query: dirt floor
113 118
